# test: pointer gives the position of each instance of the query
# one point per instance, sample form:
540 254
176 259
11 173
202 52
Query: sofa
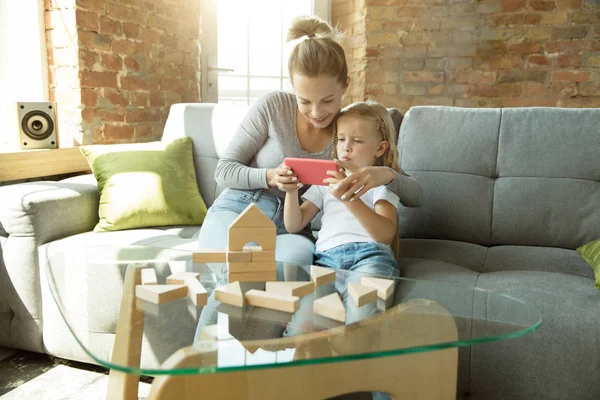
509 194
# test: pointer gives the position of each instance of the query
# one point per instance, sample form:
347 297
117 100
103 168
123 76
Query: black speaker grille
37 125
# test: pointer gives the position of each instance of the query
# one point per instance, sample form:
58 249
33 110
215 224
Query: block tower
246 263
255 263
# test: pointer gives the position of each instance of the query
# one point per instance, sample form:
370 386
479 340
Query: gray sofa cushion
139 237
456 140
450 210
453 156
549 143
530 258
550 212
568 341
549 187
469 255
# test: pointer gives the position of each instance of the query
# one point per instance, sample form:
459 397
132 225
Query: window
251 41
23 61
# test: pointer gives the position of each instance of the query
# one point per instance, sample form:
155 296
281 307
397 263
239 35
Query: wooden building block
263 255
330 306
159 294
322 275
196 292
264 266
299 289
260 276
385 287
179 278
209 256
239 256
361 294
230 294
149 276
238 237
273 301
252 217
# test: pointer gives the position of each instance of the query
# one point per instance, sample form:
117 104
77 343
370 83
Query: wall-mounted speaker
37 125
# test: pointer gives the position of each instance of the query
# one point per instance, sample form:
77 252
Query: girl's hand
283 178
360 179
336 178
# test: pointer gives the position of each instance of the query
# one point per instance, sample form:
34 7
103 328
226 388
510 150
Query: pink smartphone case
309 171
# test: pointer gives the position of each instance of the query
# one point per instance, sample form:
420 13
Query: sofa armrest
49 210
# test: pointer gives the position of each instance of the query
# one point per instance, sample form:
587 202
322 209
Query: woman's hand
360 179
283 178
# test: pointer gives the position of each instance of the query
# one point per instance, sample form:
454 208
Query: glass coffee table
405 345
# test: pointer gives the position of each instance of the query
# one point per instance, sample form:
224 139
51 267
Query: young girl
356 234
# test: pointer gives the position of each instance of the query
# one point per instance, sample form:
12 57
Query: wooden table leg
127 349
427 375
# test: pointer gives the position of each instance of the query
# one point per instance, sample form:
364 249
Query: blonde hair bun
317 49
312 26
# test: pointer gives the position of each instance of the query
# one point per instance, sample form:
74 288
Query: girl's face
359 141
319 98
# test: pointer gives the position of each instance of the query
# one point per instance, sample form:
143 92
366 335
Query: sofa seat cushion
530 258
568 339
166 239
419 268
184 232
465 254
93 294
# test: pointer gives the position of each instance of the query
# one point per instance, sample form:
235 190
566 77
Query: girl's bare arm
296 216
381 224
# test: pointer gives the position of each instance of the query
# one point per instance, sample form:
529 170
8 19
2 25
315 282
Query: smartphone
310 171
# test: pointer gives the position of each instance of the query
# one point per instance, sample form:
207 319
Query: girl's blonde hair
320 53
385 128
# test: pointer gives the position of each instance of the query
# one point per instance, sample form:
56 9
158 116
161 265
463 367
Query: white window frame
321 8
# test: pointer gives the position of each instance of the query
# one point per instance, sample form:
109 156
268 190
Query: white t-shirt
338 225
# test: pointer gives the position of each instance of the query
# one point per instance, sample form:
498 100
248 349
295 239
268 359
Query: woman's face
319 98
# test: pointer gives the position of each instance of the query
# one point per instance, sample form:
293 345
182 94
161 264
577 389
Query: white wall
23 59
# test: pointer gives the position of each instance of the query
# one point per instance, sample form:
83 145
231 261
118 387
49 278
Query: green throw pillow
591 254
146 184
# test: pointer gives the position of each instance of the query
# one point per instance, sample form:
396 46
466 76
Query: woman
283 125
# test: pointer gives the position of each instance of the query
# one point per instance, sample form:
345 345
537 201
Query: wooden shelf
39 163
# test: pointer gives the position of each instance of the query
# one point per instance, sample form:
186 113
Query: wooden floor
27 375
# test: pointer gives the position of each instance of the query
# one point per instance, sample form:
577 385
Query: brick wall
115 67
476 53
350 16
